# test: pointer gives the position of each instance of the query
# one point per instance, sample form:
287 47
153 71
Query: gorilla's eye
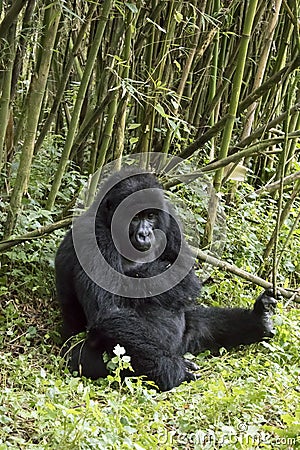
136 219
151 216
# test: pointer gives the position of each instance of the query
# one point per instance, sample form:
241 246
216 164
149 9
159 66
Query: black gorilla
110 297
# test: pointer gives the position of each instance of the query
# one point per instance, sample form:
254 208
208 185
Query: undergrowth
244 399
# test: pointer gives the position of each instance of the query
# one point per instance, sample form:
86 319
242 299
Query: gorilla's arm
213 328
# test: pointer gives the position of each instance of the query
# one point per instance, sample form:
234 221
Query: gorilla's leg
213 328
165 370
85 360
148 345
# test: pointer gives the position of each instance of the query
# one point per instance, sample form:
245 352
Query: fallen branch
274 186
203 256
39 232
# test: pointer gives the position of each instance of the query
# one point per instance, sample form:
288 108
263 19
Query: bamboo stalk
213 81
284 214
261 68
281 170
107 5
6 89
10 17
35 100
21 48
64 79
90 123
287 240
294 125
236 87
107 134
182 84
126 57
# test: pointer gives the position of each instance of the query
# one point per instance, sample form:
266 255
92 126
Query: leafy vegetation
247 399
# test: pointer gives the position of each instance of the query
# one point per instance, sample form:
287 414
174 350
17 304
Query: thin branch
274 186
39 232
293 295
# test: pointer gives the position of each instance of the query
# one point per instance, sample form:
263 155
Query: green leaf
160 110
133 126
178 16
133 8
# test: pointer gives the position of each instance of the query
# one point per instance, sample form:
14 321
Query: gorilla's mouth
142 245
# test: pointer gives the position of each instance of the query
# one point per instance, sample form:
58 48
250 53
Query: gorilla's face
141 229
136 216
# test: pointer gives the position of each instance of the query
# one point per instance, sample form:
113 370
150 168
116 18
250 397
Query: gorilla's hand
190 366
264 308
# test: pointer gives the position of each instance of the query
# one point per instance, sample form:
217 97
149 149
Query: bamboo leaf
160 110
133 126
132 7
156 25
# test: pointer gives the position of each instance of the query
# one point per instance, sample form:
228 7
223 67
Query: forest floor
244 399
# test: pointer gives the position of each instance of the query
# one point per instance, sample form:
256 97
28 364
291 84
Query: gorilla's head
133 207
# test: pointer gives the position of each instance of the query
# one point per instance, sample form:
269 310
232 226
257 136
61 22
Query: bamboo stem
35 100
10 17
107 4
64 79
6 89
236 88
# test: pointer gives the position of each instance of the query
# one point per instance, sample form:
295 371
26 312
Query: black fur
157 330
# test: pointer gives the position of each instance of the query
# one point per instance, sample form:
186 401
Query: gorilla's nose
143 240
143 235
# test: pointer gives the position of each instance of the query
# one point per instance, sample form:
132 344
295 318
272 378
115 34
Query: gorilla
125 275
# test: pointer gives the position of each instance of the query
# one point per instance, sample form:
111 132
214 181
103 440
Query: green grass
244 399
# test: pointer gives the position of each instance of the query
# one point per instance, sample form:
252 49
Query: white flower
118 350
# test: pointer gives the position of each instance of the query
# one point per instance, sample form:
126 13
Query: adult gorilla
124 274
